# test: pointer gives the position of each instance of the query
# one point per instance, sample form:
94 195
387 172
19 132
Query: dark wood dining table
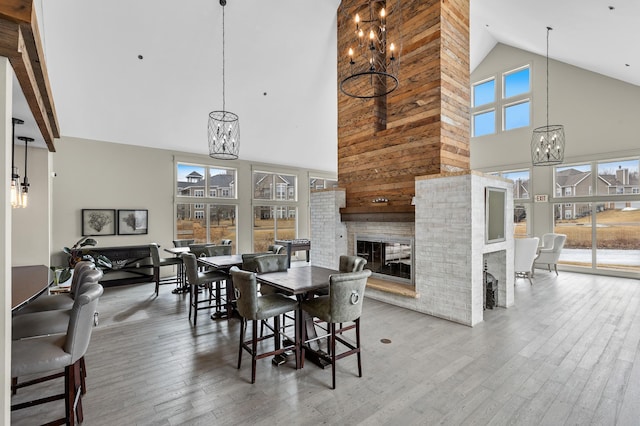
301 281
27 283
223 263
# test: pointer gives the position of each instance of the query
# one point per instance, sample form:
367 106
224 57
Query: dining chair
202 279
199 250
524 254
272 263
346 264
220 250
225 242
52 321
63 300
254 308
159 262
183 243
45 355
277 249
342 305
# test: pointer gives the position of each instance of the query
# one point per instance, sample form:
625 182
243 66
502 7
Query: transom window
197 180
514 103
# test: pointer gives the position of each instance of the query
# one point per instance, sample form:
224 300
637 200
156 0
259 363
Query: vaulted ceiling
148 72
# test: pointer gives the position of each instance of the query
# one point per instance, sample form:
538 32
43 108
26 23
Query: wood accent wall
427 116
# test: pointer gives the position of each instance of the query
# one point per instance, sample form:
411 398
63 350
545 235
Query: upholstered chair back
81 321
246 292
352 263
346 295
183 243
222 250
271 263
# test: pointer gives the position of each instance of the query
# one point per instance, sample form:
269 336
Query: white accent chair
525 251
549 253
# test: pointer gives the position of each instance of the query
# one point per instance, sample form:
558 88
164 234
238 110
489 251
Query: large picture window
603 227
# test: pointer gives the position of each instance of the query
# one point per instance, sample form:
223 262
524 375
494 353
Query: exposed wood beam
20 42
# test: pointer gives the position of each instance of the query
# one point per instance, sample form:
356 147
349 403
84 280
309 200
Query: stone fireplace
404 174
388 256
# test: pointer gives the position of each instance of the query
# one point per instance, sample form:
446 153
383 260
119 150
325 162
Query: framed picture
98 222
132 222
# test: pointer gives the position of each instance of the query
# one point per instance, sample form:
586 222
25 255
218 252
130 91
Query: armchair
524 255
549 253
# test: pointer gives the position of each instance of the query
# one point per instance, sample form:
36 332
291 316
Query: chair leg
358 346
243 326
555 267
190 302
195 306
77 402
333 355
83 375
70 395
254 349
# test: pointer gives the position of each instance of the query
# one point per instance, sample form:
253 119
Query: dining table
223 263
302 281
27 283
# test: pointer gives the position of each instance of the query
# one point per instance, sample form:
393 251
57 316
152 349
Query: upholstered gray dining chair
53 321
343 304
351 263
183 243
64 300
254 308
197 279
220 250
42 356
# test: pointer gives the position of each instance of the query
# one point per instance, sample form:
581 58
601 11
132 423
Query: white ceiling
280 66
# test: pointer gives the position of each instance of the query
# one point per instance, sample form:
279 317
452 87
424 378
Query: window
521 209
198 214
277 218
198 180
274 186
218 224
618 177
199 206
316 183
514 103
612 210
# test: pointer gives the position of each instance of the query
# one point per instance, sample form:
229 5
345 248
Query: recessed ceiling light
612 8
140 57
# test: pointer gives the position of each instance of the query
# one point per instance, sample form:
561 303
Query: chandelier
547 142
224 126
373 53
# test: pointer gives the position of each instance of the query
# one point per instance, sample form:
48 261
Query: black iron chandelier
374 53
547 142
224 127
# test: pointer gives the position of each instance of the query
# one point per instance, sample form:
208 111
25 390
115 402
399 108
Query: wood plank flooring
567 353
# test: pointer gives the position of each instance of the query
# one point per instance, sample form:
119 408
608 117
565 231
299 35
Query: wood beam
20 42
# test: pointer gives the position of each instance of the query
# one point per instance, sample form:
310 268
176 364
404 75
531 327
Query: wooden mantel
20 43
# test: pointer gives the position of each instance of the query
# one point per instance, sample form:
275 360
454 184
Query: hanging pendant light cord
223 3
548 29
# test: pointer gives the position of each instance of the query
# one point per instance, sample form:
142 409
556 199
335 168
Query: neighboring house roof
194 175
570 177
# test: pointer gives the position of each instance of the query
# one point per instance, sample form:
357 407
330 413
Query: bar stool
196 279
164 261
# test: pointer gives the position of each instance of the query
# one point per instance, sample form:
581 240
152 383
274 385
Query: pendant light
547 142
25 183
224 127
15 177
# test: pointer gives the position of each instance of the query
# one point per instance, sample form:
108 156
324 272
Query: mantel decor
547 142
373 54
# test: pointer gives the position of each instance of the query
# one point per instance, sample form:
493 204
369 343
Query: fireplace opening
387 257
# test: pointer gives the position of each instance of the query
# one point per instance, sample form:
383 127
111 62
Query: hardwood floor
566 353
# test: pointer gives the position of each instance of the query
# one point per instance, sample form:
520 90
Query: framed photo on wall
131 222
98 222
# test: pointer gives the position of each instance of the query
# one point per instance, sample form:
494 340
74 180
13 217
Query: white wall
30 236
600 116
93 174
